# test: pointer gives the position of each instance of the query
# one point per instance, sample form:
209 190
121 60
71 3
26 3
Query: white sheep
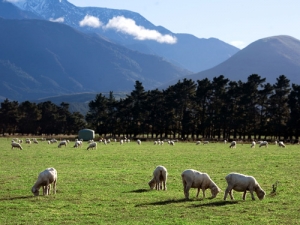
139 142
232 144
281 144
263 143
195 179
253 144
205 142
243 183
62 143
45 179
77 144
92 145
159 179
121 141
16 145
198 142
28 141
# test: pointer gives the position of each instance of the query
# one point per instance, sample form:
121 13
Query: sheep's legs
165 185
244 195
252 195
186 189
228 191
198 192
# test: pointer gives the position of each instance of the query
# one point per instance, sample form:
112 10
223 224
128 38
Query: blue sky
237 22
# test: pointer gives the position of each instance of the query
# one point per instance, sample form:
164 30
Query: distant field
110 185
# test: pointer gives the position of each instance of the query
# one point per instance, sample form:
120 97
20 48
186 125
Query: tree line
43 118
217 108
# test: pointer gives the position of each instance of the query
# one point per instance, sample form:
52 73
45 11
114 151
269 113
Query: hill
268 57
39 58
194 54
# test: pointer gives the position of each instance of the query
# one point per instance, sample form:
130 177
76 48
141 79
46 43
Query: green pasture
110 185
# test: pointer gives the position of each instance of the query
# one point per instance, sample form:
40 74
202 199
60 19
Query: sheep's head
214 191
260 193
152 184
35 191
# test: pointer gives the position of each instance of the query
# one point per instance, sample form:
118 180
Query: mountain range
44 51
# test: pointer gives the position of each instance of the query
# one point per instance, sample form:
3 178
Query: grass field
110 185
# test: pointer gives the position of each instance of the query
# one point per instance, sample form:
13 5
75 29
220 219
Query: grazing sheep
45 179
139 141
77 144
263 143
16 145
121 142
225 142
243 183
195 179
281 144
253 144
198 142
159 179
92 145
62 143
232 144
28 141
205 142
172 143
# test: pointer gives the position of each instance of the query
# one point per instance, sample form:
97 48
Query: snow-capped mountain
184 50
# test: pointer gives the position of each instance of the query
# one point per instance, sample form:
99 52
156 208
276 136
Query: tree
9 116
29 118
294 105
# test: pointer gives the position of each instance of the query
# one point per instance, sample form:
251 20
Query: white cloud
59 20
90 21
128 26
238 44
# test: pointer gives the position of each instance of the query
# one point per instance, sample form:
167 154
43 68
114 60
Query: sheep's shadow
218 203
138 191
172 201
16 198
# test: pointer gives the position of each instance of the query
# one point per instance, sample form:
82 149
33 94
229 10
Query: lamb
159 179
16 145
281 144
62 143
232 144
243 183
253 144
195 179
263 143
92 145
45 179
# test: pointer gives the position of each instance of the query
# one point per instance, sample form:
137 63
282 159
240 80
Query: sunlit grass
109 185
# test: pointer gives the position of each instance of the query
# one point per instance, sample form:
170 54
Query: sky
237 22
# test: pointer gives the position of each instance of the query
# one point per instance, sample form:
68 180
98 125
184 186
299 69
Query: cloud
128 26
59 20
238 44
12 1
90 21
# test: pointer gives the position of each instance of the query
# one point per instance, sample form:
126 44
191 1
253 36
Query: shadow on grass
218 203
138 191
16 198
174 201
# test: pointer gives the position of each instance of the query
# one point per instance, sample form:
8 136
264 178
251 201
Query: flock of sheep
195 179
190 178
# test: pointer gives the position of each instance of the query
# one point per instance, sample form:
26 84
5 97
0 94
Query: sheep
198 142
205 142
121 142
232 144
155 142
62 143
172 143
253 144
243 183
281 144
35 141
77 144
225 142
159 179
139 142
16 145
92 145
195 179
263 143
28 141
44 180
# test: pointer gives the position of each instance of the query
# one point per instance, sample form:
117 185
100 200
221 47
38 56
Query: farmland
110 185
